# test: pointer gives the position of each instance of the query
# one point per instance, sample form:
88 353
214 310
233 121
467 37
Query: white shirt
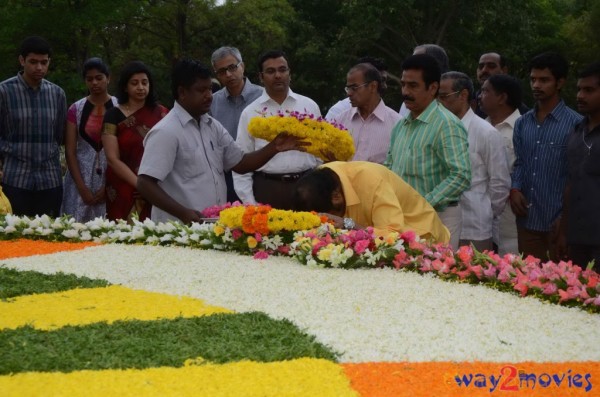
287 162
336 110
505 226
371 136
505 128
490 179
188 158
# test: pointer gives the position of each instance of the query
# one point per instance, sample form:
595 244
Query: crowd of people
454 164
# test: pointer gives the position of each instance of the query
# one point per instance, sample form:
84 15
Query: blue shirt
540 170
227 109
32 124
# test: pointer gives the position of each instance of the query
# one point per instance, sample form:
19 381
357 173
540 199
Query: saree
122 199
90 158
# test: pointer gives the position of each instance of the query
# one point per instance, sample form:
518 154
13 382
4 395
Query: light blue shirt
227 109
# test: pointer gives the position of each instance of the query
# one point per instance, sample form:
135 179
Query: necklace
589 147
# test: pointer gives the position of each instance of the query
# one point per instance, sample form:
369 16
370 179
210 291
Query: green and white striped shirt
431 153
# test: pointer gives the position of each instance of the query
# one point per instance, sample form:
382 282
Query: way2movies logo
511 379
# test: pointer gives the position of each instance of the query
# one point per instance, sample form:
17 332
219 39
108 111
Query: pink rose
261 255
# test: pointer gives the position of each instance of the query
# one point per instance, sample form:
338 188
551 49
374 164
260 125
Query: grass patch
15 283
219 338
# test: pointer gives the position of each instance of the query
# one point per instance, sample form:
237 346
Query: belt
289 177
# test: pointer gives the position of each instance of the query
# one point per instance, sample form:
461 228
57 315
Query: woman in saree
125 127
84 191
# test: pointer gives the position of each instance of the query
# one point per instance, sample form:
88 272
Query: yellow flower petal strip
302 377
23 247
92 305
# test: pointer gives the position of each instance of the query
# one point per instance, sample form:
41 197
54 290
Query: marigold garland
265 220
323 136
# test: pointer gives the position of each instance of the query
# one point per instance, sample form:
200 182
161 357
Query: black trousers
34 202
583 254
278 194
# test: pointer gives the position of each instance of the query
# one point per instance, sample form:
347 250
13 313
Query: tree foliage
321 37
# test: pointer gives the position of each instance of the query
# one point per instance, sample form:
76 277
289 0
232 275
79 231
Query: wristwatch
349 223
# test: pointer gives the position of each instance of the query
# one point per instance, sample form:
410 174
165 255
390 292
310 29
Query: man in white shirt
369 121
490 178
273 183
186 153
341 106
501 96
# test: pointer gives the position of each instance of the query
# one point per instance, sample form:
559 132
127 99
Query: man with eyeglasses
369 121
229 102
272 183
429 147
490 178
341 106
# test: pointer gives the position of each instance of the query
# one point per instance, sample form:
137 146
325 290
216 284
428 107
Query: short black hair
95 64
509 85
314 190
427 64
503 61
185 73
271 54
438 53
370 73
591 70
129 70
379 63
460 81
35 45
557 64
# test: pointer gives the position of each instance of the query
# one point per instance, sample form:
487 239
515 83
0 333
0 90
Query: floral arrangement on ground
262 231
324 136
92 318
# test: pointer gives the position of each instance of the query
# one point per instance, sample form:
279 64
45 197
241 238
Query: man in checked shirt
32 122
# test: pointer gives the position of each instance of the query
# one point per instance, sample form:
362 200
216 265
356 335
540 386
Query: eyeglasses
444 96
231 68
354 88
272 71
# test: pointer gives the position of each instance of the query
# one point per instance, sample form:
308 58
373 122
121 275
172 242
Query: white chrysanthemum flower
78 226
167 227
149 224
70 233
152 239
184 240
166 237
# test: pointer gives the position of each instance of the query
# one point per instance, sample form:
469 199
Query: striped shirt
32 124
371 136
540 170
431 153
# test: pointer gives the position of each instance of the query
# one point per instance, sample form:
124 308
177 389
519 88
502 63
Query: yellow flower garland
323 136
277 220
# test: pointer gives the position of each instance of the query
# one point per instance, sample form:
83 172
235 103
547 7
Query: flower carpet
95 317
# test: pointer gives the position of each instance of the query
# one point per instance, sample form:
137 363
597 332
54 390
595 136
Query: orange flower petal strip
475 379
23 247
